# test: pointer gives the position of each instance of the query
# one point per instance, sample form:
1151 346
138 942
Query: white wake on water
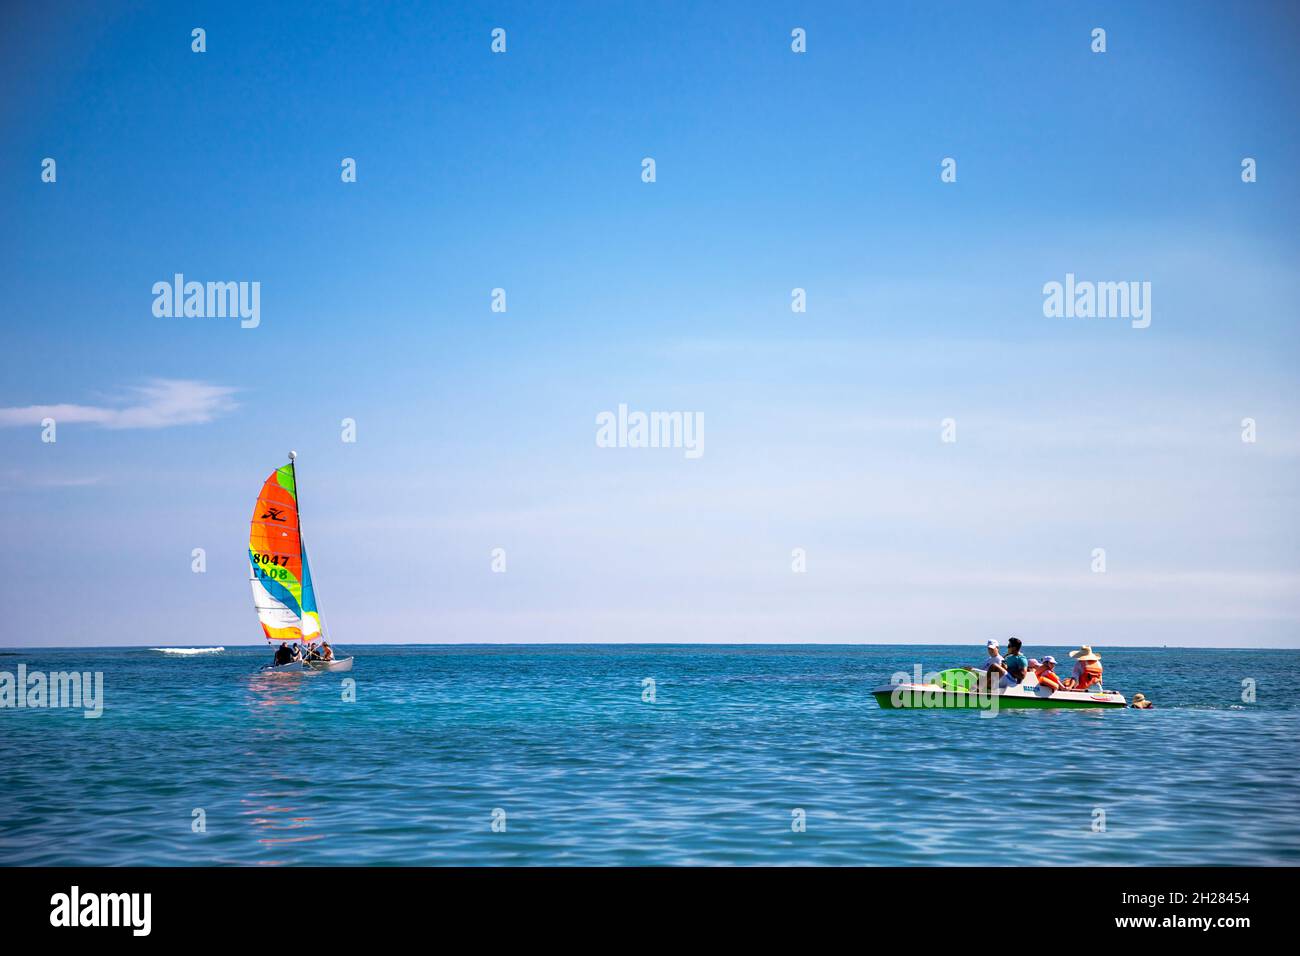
188 650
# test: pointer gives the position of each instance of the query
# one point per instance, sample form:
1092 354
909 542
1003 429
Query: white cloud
161 403
12 479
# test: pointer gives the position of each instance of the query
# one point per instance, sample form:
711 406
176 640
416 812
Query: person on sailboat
312 653
297 654
326 652
282 655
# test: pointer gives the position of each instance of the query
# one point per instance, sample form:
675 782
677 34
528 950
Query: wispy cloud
15 479
160 403
74 482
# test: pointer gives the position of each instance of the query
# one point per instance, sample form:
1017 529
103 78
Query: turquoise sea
550 755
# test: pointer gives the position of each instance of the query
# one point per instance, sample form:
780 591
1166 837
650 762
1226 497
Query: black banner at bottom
605 905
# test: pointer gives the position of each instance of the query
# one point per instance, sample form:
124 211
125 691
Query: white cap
991 644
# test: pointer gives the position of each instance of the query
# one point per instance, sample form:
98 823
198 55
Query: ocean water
557 743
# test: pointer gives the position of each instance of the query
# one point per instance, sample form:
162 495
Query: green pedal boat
955 690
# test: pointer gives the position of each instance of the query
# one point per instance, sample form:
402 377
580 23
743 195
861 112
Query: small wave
188 650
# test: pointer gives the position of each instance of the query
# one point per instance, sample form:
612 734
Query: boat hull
309 667
295 667
934 697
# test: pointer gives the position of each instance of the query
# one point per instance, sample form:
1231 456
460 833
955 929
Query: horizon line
980 646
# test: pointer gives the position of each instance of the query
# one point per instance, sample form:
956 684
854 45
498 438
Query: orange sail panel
279 574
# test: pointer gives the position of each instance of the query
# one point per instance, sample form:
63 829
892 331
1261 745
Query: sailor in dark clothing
283 655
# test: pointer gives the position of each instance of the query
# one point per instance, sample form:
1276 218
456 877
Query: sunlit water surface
558 744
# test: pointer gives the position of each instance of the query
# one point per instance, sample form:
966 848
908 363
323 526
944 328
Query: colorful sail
280 576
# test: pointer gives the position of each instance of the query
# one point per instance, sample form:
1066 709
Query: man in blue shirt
1016 663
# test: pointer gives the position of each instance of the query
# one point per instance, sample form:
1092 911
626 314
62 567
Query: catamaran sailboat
282 591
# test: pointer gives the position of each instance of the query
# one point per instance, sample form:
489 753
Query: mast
302 541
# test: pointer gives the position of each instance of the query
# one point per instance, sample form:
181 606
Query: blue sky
775 170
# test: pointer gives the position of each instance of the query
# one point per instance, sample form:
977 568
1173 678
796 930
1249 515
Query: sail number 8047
273 566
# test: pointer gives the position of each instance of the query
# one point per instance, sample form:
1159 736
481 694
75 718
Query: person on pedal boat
1045 669
1087 670
1016 664
992 669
